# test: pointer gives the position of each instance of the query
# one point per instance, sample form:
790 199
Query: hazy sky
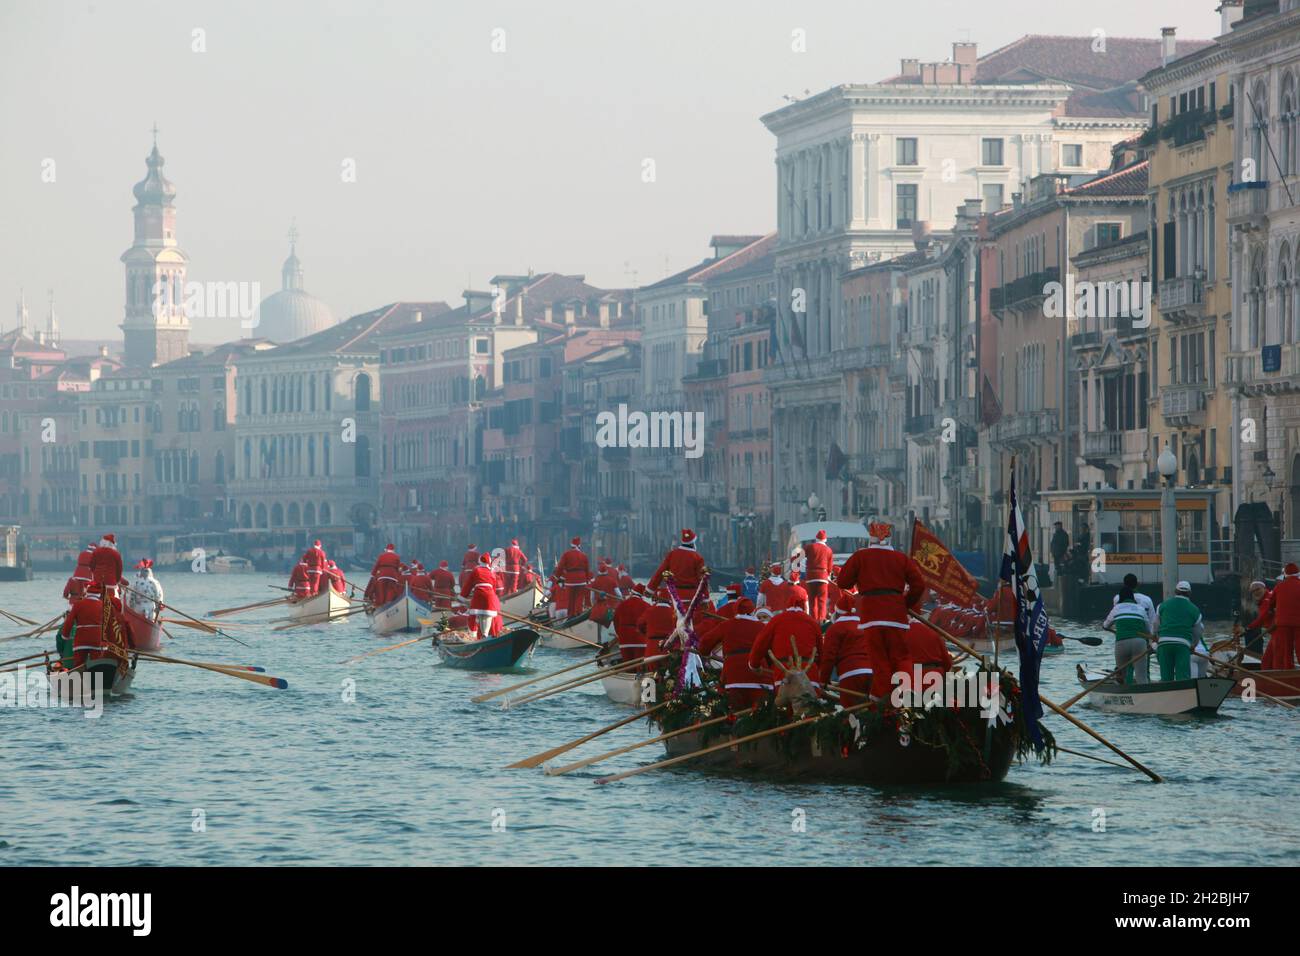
469 163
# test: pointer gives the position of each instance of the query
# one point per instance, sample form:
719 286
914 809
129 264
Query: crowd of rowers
98 595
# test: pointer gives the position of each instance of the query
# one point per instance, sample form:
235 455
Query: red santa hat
622 567
485 558
442 564
821 534
576 542
749 570
880 532
472 548
389 547
1291 570
316 543
688 538
845 604
148 562
744 606
330 563
109 537
514 542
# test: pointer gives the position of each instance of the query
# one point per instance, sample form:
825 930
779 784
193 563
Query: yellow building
1190 147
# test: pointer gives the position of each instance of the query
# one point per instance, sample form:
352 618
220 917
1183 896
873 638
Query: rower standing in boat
605 590
468 562
444 585
889 585
1254 632
106 568
335 575
846 657
573 570
300 580
1143 601
1132 624
1180 627
516 560
81 576
625 581
818 562
315 559
744 686
146 594
631 642
480 586
385 578
789 642
684 564
421 585
1286 619
657 623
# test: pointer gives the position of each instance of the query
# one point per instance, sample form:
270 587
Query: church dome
292 313
155 188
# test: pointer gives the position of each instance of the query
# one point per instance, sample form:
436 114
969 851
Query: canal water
201 769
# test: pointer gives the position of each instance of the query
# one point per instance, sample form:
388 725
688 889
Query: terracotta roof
1127 182
354 335
720 268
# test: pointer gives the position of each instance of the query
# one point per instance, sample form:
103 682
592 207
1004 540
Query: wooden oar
1047 703
176 610
546 755
16 618
250 668
574 637
1093 686
35 632
391 647
730 743
587 762
247 607
549 691
1090 641
533 680
19 660
1254 675
1080 753
264 679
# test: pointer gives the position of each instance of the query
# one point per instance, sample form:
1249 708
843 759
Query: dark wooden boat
488 654
883 761
1284 684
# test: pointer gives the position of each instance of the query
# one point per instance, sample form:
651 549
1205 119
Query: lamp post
1168 466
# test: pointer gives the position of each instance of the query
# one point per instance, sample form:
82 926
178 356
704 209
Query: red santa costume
791 631
106 567
889 584
81 575
631 642
768 584
846 655
516 561
927 649
685 566
575 573
625 581
480 586
1286 618
468 562
819 560
335 576
316 562
444 585
300 580
421 585
744 686
385 578
605 591
657 623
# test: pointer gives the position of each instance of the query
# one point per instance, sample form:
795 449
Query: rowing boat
146 635
581 626
888 758
400 615
1283 684
1199 695
629 689
521 603
323 606
487 654
67 686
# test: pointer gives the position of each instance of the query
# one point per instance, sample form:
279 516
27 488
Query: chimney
1016 201
519 309
964 54
1168 46
1230 12
910 67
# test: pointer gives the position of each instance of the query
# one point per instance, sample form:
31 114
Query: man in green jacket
1180 627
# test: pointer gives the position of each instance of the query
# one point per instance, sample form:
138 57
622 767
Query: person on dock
444 585
480 586
749 586
1133 628
106 567
790 641
819 560
889 584
846 656
1180 627
1060 548
316 560
385 578
574 571
631 642
81 575
300 580
146 594
516 560
1286 619
684 564
743 686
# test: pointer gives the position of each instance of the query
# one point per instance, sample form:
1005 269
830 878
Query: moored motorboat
318 608
486 654
401 615
1199 695
230 564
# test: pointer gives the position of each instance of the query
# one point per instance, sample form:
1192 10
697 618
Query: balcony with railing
1182 299
1248 204
918 424
1103 447
1027 292
883 462
1270 370
1025 428
1184 404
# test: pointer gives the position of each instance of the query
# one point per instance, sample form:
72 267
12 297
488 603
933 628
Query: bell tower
156 328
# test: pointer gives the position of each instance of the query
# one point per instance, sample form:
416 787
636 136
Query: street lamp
1168 466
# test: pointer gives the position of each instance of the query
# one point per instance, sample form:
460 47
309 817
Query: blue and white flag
1031 619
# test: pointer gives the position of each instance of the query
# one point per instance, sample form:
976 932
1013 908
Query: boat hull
401 616
318 608
1283 684
65 686
883 762
521 603
1199 695
630 690
490 654
146 635
587 629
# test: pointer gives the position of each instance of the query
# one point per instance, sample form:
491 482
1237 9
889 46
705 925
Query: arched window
311 455
245 517
1284 317
1259 129
1287 141
248 459
362 392
309 515
325 515
294 518
219 467
261 515
277 516
1256 295
325 456
362 457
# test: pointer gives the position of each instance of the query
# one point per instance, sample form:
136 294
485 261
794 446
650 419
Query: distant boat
15 563
230 564
319 608
1199 695
400 615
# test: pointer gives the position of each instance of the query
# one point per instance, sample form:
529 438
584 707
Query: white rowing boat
587 629
401 615
1199 695
630 690
319 608
522 602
